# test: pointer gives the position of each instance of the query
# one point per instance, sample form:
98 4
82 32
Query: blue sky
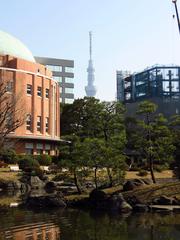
127 35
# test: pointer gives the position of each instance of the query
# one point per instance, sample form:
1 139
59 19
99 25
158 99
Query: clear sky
127 35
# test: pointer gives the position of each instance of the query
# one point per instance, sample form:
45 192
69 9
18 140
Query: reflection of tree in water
93 226
85 225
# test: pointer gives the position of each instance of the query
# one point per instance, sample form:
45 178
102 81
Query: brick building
38 93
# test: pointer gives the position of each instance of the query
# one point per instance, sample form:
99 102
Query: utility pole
177 14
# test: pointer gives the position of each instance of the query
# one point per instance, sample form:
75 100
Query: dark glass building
160 84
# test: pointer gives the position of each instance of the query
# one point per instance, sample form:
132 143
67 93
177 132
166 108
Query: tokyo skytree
90 88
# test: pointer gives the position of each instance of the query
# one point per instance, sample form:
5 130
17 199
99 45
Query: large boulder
115 201
49 201
141 208
125 207
164 200
98 199
135 183
12 185
51 185
36 183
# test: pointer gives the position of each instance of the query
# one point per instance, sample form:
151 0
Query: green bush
143 173
27 163
8 156
44 160
160 168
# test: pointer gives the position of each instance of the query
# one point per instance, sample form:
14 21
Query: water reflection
73 224
38 231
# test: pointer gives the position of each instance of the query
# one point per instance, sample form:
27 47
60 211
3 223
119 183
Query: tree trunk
95 177
110 177
76 182
151 169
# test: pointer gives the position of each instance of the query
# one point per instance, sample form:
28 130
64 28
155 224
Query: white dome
10 45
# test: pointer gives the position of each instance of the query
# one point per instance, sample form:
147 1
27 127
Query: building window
39 148
69 90
29 148
69 100
55 68
47 124
69 69
47 152
9 86
60 99
60 89
29 89
39 123
47 93
29 122
58 78
39 151
39 91
69 80
9 121
29 151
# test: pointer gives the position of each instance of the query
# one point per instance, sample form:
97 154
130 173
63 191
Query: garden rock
141 208
164 200
36 183
125 207
49 201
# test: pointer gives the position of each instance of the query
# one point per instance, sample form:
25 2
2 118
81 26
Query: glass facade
69 90
69 100
69 80
69 69
54 68
158 81
58 79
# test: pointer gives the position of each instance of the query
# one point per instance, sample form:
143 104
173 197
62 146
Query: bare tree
12 114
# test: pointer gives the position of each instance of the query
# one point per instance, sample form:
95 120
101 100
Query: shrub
160 168
8 156
27 163
143 173
44 160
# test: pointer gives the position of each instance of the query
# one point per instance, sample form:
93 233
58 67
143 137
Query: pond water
73 224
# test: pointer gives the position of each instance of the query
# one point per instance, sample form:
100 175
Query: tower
90 88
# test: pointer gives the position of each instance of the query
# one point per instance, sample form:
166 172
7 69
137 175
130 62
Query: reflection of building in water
38 231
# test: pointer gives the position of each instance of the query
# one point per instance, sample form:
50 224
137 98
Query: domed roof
10 45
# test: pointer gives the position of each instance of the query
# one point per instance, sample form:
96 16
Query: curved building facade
38 95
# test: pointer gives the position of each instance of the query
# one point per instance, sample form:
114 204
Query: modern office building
38 98
62 71
120 76
160 84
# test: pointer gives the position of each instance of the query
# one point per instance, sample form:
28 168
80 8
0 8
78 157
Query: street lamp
177 14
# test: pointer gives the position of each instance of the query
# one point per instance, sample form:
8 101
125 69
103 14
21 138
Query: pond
73 224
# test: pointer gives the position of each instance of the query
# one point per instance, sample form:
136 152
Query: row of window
67 90
67 100
67 79
29 148
39 91
39 123
57 68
